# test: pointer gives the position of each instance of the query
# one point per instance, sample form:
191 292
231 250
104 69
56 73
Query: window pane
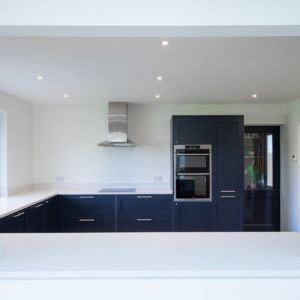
258 161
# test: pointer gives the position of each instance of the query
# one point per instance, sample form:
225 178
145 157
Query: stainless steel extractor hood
117 126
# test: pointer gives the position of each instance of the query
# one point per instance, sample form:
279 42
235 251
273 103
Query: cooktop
117 190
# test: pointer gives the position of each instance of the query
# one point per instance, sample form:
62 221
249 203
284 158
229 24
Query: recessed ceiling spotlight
254 96
40 77
157 96
66 96
159 78
165 43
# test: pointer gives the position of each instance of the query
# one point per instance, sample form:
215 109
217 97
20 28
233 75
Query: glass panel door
262 178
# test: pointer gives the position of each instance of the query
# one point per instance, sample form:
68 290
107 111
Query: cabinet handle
228 191
39 205
20 214
140 197
86 197
86 220
232 196
192 174
144 219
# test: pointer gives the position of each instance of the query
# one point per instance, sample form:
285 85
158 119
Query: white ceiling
195 70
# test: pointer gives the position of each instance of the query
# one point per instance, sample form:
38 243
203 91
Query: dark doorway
262 178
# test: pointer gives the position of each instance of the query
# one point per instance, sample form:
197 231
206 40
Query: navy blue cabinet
142 213
229 178
225 135
40 217
36 218
194 217
85 213
14 223
189 130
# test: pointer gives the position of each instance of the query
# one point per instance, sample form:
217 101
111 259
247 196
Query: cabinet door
194 217
85 225
40 217
14 223
189 130
85 213
34 221
228 187
77 206
141 213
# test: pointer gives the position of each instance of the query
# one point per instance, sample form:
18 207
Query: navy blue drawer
141 205
85 225
145 226
85 206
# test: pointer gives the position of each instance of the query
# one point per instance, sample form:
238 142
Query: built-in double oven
192 173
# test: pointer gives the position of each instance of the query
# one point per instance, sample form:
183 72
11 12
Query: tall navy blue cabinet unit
225 134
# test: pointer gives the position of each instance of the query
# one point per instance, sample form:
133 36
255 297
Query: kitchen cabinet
14 223
194 217
225 135
40 217
228 187
191 130
36 218
144 213
85 213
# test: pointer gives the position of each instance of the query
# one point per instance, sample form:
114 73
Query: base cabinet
40 217
194 217
144 213
14 223
85 213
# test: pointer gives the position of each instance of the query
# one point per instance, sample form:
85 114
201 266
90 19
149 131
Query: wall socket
157 178
59 179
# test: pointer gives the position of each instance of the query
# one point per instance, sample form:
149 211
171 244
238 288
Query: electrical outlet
59 179
157 178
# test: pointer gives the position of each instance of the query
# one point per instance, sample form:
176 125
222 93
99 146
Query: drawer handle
145 197
232 196
20 214
228 191
87 220
39 205
144 219
86 197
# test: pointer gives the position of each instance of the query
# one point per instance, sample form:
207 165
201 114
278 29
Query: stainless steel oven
192 173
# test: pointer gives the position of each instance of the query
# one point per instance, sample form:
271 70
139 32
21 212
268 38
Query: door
229 174
262 178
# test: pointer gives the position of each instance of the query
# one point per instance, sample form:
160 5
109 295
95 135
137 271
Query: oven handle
200 174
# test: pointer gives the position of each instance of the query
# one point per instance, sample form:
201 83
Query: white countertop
11 204
151 255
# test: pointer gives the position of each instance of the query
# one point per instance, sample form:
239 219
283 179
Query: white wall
66 137
290 174
19 142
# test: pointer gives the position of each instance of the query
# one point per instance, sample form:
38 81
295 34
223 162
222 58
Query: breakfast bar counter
151 265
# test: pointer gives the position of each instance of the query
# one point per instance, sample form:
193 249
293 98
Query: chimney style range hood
117 126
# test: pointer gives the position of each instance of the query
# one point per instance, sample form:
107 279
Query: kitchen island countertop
151 266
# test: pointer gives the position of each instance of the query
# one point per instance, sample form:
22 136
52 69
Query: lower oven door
192 187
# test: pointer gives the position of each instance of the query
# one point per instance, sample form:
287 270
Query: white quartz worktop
11 204
151 255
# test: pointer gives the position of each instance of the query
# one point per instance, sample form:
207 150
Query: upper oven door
192 162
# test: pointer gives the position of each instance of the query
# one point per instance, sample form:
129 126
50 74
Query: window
3 155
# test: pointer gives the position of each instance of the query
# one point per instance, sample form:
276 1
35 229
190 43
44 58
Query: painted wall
66 137
19 143
290 174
